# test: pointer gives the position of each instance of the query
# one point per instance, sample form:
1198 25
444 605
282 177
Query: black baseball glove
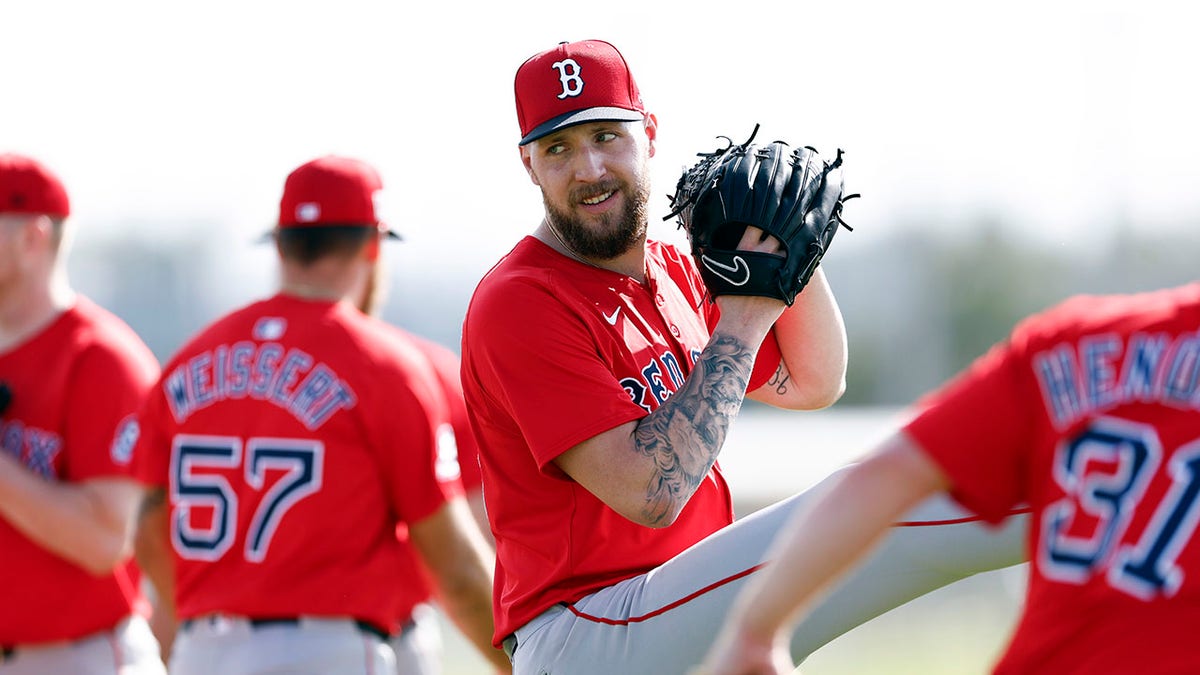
791 194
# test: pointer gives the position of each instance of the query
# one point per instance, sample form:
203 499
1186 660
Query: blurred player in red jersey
289 439
72 376
418 643
1090 412
447 366
601 384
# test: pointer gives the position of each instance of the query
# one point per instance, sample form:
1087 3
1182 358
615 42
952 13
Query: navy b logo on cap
568 74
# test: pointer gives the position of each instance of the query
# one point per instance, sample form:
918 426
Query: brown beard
618 232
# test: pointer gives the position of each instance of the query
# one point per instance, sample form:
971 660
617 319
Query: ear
36 233
371 250
651 126
526 160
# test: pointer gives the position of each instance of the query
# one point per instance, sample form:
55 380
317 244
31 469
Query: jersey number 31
1103 503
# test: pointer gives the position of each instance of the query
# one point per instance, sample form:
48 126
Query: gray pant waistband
510 643
10 651
295 621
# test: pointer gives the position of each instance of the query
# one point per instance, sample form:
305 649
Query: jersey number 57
199 469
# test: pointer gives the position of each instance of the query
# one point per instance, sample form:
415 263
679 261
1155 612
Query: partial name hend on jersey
1102 371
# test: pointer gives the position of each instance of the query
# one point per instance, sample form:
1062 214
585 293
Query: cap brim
389 232
600 114
269 235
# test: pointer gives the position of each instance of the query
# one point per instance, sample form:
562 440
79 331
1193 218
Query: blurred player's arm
461 567
819 544
89 523
153 552
812 338
479 513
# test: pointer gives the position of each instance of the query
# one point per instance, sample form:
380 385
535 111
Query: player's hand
735 653
163 625
755 239
753 310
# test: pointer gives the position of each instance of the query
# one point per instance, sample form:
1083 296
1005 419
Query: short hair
307 245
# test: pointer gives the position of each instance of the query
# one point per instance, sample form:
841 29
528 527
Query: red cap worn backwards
574 83
332 190
28 187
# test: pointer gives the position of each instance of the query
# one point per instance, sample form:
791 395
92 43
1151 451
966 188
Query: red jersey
554 353
293 436
447 370
76 387
1089 414
445 365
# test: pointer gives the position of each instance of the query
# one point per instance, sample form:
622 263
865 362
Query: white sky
161 114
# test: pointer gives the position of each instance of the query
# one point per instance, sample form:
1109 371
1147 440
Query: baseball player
418 642
288 440
447 367
71 378
1090 412
601 384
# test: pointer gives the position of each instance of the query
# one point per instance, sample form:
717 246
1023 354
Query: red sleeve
413 431
766 363
977 428
107 387
447 367
152 455
543 366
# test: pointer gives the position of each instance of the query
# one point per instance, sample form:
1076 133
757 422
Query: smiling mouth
592 201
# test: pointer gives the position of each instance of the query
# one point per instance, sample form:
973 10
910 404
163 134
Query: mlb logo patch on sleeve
270 328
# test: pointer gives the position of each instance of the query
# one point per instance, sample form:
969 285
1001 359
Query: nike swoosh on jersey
724 271
611 318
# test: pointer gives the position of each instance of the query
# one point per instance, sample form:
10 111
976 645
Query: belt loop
510 646
371 629
407 627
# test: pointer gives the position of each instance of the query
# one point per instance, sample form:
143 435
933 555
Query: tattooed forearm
780 380
685 434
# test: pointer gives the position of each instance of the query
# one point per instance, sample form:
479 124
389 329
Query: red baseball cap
332 190
28 187
573 83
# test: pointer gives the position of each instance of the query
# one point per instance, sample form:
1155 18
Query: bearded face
607 235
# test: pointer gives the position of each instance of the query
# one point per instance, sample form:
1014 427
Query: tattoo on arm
780 380
685 434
